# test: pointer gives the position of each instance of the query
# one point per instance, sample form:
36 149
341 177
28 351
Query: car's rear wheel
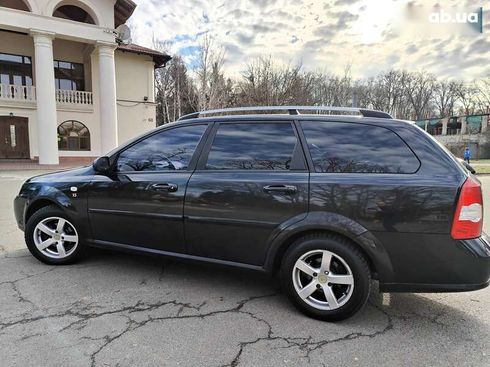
326 276
52 237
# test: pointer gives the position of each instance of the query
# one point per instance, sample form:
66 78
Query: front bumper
19 211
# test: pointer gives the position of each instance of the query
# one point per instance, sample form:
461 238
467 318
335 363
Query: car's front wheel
52 237
326 277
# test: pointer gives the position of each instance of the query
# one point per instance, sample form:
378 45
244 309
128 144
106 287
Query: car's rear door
141 203
251 179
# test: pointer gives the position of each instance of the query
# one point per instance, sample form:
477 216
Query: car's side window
346 147
245 146
168 150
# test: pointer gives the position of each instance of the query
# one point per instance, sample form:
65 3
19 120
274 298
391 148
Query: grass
482 169
481 166
479 161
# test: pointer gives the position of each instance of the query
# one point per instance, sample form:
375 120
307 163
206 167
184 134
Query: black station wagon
331 201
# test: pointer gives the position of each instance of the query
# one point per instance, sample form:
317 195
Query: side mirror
102 165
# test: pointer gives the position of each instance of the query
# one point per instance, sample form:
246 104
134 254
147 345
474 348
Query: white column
463 125
150 66
107 93
47 124
444 125
484 124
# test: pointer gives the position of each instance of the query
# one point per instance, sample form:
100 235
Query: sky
369 36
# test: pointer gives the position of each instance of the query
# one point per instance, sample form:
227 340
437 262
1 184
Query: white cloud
324 35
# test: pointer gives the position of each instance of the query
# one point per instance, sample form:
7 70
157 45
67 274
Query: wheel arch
331 223
288 242
39 204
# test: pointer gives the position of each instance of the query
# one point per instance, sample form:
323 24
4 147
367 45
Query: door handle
286 189
170 187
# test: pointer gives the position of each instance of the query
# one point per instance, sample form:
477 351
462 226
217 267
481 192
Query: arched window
73 135
15 4
74 13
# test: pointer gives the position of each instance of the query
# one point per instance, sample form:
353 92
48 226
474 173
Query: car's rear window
347 147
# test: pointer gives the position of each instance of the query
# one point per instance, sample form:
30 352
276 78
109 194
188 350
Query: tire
52 238
332 296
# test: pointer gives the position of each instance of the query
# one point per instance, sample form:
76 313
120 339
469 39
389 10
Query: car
328 198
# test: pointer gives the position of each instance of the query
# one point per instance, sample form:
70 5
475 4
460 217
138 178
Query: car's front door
141 202
250 181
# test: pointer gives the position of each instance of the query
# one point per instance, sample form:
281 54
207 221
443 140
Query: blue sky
324 35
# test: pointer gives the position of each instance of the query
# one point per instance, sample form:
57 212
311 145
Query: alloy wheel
323 279
55 237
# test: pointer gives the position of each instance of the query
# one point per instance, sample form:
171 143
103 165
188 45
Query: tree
212 87
267 83
483 95
467 98
419 88
404 94
445 96
174 89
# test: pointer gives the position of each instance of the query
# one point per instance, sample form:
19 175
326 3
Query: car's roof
286 117
293 113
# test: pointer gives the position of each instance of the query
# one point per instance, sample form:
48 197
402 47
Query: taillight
468 218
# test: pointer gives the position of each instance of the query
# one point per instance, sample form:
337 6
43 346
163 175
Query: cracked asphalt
115 309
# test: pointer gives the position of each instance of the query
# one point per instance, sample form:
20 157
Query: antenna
123 34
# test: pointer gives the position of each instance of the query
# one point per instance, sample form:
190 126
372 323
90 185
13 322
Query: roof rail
292 110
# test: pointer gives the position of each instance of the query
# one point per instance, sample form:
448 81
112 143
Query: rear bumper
479 247
458 266
431 288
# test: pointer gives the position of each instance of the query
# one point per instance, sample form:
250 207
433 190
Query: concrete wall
479 144
134 81
20 44
68 50
41 19
101 10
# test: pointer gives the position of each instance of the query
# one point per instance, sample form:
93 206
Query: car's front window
168 150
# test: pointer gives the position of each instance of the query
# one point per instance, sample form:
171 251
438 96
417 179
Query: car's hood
77 174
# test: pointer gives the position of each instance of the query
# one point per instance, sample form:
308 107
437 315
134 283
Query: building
67 89
460 132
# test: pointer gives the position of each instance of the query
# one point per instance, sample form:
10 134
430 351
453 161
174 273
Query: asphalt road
124 310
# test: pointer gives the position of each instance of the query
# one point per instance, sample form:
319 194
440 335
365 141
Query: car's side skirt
151 251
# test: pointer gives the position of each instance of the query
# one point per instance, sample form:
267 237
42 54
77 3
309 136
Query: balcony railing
18 92
23 93
74 97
